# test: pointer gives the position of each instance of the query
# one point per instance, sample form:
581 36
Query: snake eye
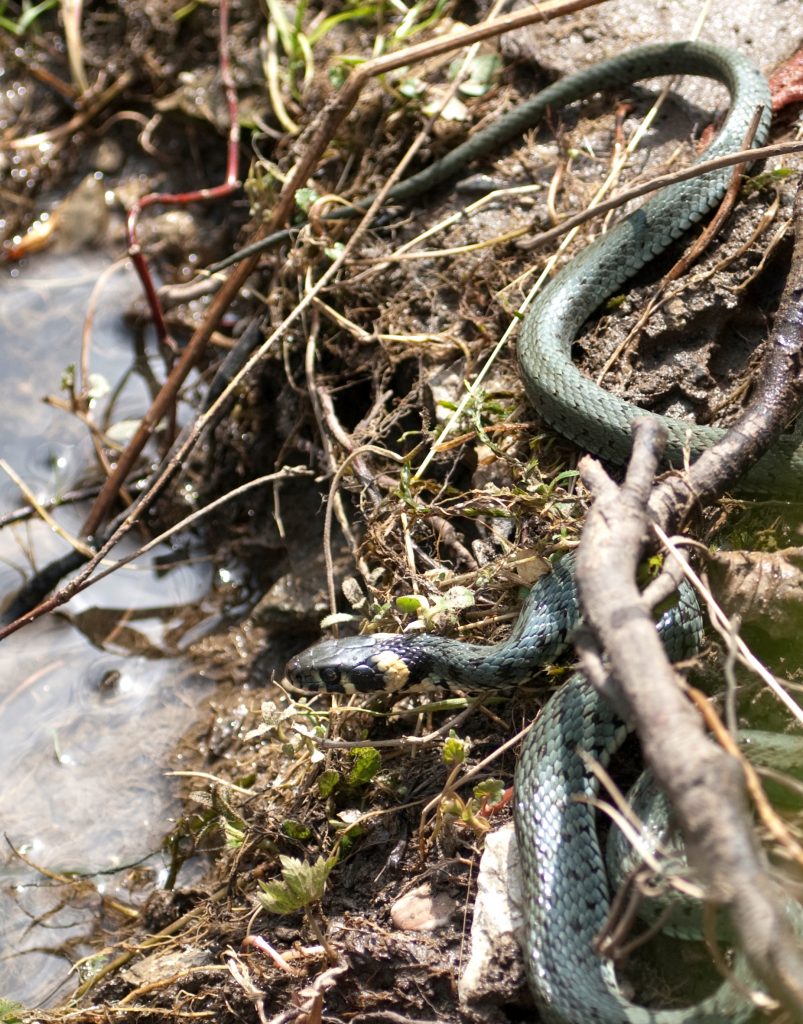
330 676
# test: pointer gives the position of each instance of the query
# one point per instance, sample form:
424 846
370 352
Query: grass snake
572 404
566 887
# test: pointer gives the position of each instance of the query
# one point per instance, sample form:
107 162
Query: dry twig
704 784
320 136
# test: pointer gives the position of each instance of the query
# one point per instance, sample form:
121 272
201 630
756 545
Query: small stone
494 973
420 911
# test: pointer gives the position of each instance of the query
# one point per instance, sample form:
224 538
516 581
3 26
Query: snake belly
566 889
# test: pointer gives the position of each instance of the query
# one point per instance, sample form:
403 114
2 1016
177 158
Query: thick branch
704 784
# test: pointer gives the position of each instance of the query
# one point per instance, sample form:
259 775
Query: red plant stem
230 184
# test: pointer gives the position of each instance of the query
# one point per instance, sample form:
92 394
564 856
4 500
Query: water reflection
94 699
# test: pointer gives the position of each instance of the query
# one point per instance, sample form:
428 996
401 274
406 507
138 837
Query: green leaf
365 11
412 88
68 378
327 781
350 838
455 750
301 885
649 569
233 836
453 110
294 829
458 597
305 197
186 10
30 14
367 762
490 790
760 182
337 75
484 68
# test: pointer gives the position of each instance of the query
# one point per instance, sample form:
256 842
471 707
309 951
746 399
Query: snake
565 882
566 888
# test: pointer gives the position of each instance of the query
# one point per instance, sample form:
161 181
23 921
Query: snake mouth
303 673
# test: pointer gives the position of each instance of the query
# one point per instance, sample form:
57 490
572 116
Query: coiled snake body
565 882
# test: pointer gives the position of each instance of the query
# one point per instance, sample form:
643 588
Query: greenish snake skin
389 662
565 881
571 403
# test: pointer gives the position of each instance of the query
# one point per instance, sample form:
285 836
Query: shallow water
94 699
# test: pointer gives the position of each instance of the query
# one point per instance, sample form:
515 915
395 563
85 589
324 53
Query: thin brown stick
741 157
692 254
82 118
322 133
229 185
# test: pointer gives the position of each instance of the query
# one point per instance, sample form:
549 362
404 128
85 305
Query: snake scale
566 888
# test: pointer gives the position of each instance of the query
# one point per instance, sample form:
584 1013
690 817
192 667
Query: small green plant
475 813
455 751
11 1012
481 73
436 611
367 762
296 830
766 180
301 885
417 18
233 835
327 782
26 18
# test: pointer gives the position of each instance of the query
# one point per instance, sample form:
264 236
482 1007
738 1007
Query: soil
394 339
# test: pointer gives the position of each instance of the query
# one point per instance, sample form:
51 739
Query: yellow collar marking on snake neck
395 672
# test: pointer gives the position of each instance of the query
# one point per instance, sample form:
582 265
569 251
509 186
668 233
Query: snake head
358 664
